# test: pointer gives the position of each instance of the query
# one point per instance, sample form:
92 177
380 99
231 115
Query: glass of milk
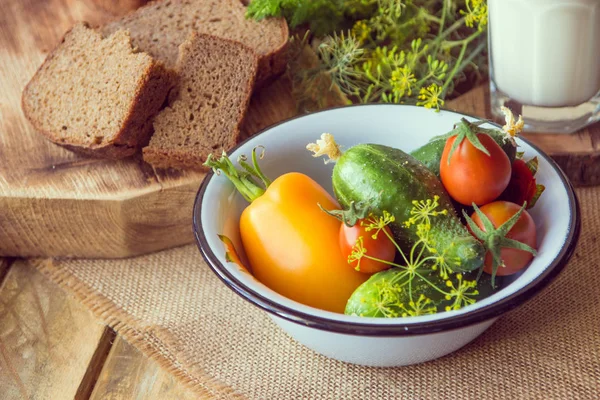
545 62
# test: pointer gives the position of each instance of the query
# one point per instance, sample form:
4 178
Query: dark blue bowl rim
400 329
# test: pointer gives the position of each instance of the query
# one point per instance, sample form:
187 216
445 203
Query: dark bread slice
96 95
119 7
158 28
216 77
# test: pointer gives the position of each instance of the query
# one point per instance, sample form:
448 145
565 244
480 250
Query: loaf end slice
97 96
216 77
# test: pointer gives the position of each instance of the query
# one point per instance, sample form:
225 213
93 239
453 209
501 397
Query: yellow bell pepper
291 244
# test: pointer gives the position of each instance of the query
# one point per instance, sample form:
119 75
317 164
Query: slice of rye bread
216 77
119 7
96 96
158 28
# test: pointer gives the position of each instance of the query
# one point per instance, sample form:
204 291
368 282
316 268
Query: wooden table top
51 347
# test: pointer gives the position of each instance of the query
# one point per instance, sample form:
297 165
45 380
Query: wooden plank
57 203
47 339
128 374
577 154
88 382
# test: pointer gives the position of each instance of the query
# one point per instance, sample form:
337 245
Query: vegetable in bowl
292 246
397 219
380 341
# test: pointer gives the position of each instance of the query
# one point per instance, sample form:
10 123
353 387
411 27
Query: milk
545 52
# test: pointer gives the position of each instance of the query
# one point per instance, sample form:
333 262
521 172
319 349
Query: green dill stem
419 264
421 252
473 54
456 25
429 17
453 43
441 27
412 254
397 246
385 262
465 42
443 19
399 276
422 80
432 285
431 258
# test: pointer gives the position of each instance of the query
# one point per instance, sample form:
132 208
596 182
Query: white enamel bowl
375 341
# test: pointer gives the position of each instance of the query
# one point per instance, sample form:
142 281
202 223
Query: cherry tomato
523 231
472 176
381 248
522 186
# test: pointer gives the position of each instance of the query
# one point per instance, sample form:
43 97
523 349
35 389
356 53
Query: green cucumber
390 180
385 295
430 153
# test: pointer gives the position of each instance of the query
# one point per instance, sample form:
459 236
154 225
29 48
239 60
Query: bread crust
135 131
270 65
161 157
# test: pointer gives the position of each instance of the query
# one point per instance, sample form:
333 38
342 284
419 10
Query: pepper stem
243 179
326 146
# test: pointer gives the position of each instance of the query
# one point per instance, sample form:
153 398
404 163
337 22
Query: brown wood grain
57 203
96 364
128 374
47 339
577 154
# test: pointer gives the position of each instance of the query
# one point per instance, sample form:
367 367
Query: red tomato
381 248
522 186
523 231
472 176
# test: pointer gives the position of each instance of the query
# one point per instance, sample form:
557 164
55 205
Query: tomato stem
493 239
355 212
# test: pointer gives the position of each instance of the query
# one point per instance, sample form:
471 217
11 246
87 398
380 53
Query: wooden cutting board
56 203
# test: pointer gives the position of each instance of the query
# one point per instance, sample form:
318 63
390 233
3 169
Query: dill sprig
395 51
420 283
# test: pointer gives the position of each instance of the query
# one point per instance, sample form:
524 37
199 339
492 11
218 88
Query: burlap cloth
174 309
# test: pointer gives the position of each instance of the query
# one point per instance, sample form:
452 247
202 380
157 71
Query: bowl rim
452 322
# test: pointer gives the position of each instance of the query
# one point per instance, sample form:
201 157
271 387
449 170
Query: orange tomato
523 231
293 246
381 248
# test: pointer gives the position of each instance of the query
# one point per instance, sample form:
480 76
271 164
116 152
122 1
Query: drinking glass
545 62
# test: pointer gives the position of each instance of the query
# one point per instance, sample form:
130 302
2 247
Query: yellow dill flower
422 210
402 80
361 31
462 294
377 224
422 306
358 252
476 14
430 97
